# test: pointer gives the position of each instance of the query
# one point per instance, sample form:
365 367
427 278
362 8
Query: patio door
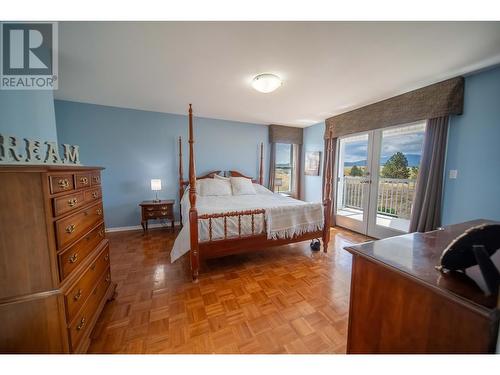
376 179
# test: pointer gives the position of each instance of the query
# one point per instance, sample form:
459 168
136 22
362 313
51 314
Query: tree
396 167
355 171
413 173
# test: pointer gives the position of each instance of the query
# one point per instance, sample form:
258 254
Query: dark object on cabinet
157 210
474 247
55 277
401 304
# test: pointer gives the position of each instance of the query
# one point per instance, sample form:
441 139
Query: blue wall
135 146
313 141
474 150
28 114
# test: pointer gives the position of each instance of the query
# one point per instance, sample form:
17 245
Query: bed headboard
184 183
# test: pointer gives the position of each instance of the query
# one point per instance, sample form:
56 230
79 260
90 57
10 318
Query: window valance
437 100
285 134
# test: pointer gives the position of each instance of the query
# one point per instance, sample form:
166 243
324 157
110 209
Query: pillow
259 189
221 178
242 186
214 187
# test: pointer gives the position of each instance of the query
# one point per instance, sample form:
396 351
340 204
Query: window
285 170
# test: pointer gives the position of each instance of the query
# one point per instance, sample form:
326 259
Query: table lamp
278 182
156 186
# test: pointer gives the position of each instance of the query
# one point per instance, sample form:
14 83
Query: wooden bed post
261 166
181 180
327 200
193 213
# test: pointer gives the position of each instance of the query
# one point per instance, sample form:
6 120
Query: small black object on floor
315 245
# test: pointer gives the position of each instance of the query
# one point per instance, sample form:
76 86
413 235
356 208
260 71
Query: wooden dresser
401 304
55 267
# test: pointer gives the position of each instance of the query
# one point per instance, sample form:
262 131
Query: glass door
353 171
376 179
396 161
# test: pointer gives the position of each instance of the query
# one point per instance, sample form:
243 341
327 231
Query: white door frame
370 191
345 221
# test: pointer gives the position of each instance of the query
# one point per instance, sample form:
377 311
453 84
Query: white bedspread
285 217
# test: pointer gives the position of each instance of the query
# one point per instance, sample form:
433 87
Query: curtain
426 211
272 162
297 157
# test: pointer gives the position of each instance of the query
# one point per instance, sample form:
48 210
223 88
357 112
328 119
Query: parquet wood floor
279 300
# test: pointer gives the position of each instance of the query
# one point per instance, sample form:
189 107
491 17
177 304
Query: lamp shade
155 185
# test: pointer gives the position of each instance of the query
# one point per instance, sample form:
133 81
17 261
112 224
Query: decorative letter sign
36 152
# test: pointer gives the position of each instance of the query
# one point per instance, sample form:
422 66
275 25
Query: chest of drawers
56 276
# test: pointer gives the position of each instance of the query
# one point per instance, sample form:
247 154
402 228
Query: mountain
413 161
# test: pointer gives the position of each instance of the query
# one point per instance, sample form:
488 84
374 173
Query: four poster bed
224 224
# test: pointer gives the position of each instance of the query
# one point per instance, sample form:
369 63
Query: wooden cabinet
401 304
55 277
157 210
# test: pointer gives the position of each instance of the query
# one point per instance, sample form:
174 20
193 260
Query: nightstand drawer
158 214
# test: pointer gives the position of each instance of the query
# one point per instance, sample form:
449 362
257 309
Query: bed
219 225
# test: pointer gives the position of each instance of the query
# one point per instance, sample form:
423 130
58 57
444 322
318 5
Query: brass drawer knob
106 257
96 178
72 202
63 183
150 208
164 208
99 212
81 325
95 195
84 181
164 213
108 278
151 214
70 228
78 295
73 258
101 232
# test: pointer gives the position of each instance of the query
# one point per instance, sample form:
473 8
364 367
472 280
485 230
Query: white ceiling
327 67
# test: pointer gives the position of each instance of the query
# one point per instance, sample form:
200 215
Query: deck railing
395 196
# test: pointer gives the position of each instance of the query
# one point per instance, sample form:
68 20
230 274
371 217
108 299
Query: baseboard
138 227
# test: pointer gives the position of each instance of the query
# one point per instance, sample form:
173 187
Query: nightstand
153 210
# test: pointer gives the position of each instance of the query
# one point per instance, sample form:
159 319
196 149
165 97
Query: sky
410 143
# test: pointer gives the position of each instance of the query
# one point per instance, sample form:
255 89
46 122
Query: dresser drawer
82 180
75 298
92 194
73 227
68 203
96 178
83 319
59 183
73 257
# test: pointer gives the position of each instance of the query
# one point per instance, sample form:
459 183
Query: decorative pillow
259 189
214 186
242 186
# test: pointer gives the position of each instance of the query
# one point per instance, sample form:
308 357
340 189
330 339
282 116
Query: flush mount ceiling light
266 83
